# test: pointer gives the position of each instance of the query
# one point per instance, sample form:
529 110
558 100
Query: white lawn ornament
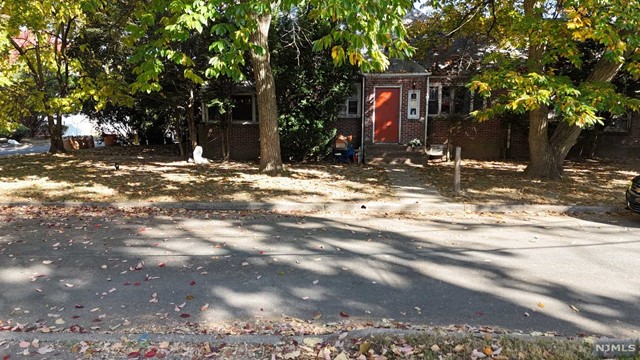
197 156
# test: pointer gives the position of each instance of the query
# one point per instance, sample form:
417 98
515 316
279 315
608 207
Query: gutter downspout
362 119
426 112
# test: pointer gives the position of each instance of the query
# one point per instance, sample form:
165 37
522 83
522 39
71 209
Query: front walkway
403 170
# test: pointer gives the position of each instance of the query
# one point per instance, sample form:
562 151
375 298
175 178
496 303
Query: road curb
329 207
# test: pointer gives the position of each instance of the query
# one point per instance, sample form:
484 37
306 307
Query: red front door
387 111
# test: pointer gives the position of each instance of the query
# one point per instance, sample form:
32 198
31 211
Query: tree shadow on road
219 267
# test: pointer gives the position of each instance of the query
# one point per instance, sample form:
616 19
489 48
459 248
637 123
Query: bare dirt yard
156 174
588 182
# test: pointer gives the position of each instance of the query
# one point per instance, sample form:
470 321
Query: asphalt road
115 272
23 149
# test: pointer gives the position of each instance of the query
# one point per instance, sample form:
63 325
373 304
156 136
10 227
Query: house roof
403 68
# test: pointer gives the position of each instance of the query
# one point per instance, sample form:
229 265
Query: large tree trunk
543 163
548 154
55 130
270 157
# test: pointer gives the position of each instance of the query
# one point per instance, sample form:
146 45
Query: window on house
351 106
461 100
413 104
445 104
244 109
435 99
618 123
453 100
477 102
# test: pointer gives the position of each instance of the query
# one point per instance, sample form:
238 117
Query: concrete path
410 190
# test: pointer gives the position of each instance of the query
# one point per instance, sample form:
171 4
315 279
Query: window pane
353 107
243 107
446 101
433 100
478 102
462 100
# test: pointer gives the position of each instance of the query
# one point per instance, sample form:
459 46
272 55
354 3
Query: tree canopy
39 51
551 60
362 33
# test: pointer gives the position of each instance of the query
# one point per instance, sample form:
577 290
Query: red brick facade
623 144
349 126
493 139
409 128
245 141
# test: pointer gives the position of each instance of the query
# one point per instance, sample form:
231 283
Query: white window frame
354 96
413 104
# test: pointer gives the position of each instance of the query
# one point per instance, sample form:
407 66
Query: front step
393 154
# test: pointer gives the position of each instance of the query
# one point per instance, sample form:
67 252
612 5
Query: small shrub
415 143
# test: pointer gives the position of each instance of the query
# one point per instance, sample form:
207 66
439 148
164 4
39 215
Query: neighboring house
408 102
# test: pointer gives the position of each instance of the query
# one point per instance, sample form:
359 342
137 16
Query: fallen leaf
133 355
292 355
541 305
316 315
45 350
184 316
344 314
151 353
574 308
458 348
204 307
364 347
24 344
192 283
487 351
161 264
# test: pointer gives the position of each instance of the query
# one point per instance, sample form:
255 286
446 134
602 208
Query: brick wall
622 145
610 144
245 141
349 126
409 128
484 140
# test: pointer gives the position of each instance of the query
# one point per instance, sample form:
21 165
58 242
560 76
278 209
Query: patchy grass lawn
591 182
155 174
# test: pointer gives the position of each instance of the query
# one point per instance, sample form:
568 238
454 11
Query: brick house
408 102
